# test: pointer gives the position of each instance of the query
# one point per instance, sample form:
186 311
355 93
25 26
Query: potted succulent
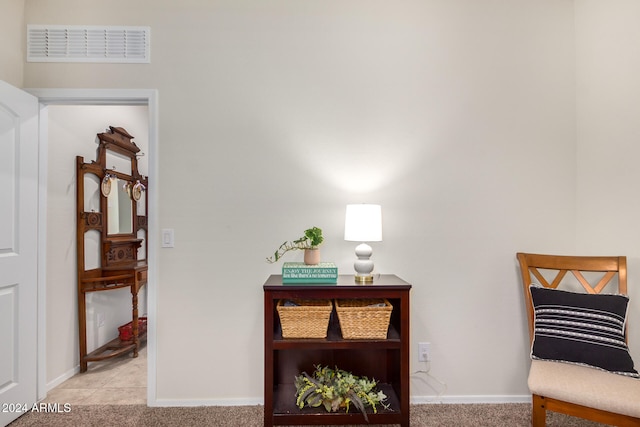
309 242
336 389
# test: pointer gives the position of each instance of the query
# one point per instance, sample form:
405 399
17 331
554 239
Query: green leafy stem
312 239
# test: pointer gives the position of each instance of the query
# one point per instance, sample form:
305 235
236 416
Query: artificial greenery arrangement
335 388
311 240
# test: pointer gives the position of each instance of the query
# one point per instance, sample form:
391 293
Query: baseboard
461 400
62 378
207 402
415 400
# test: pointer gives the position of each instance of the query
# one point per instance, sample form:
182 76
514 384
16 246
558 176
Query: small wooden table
103 279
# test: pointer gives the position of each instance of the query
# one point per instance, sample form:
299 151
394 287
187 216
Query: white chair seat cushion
585 386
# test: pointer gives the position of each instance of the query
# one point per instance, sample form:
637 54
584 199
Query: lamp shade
363 223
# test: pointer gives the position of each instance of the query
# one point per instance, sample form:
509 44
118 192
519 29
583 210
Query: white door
18 251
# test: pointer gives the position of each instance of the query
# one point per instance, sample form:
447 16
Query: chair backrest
557 266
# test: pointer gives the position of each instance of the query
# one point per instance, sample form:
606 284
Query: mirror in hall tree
119 207
121 185
125 222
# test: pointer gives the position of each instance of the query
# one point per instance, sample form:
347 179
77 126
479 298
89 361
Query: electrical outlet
101 319
424 352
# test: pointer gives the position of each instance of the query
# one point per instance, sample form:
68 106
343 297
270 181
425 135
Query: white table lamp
363 223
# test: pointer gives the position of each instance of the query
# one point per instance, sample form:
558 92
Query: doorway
56 104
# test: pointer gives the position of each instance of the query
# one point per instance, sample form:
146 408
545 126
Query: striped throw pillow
586 329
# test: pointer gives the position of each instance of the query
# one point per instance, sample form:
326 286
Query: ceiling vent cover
60 43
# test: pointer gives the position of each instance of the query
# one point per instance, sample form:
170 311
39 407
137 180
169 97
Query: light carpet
433 415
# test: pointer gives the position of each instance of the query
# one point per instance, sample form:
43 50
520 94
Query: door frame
123 97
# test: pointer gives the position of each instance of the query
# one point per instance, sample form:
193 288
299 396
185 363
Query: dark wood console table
386 360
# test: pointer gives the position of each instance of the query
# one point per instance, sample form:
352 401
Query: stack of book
301 273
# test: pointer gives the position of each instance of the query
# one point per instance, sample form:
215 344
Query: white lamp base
363 265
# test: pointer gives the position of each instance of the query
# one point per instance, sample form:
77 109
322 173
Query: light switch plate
167 238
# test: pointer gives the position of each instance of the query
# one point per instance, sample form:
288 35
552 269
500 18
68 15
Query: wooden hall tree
121 224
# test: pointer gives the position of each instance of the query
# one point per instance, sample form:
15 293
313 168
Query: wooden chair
572 389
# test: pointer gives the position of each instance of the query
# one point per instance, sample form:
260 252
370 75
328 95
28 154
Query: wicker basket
363 319
308 319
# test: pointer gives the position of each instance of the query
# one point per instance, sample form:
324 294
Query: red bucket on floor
126 331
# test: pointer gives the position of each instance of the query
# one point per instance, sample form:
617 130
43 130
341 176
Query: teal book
300 270
310 281
300 273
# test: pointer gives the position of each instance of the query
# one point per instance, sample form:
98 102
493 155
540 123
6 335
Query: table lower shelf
285 411
113 348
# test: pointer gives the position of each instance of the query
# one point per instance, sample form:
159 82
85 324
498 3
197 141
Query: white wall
457 116
72 132
608 112
12 36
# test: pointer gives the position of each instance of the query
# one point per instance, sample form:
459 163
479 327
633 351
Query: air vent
57 43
